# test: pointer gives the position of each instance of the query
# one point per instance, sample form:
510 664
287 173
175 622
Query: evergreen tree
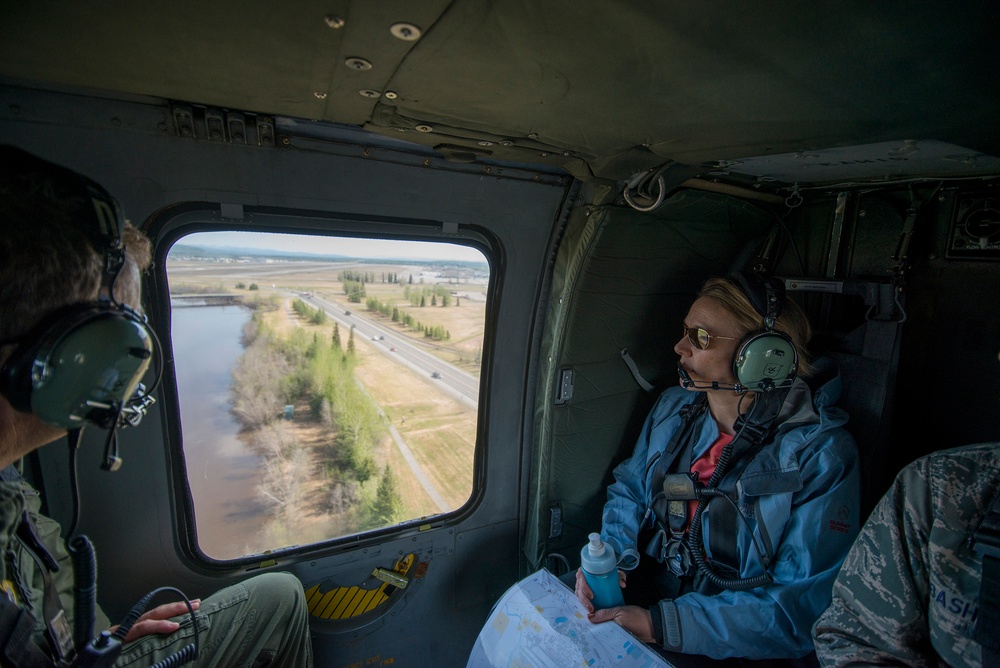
350 342
336 336
388 505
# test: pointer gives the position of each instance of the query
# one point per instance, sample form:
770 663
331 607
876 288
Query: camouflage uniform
20 577
909 590
261 620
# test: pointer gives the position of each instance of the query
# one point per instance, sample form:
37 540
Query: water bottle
600 568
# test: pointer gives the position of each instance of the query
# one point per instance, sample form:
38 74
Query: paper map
539 623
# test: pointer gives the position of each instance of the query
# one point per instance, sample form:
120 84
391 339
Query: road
460 384
404 449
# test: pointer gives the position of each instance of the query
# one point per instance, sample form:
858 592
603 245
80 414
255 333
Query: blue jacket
806 486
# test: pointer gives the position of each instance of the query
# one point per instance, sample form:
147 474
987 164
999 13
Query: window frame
172 226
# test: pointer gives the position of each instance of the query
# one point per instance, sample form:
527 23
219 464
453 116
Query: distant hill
213 253
192 252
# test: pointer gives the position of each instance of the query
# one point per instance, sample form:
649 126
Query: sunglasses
700 338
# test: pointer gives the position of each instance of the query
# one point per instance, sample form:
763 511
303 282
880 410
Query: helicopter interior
605 157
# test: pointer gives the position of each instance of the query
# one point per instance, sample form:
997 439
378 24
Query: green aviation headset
765 360
82 363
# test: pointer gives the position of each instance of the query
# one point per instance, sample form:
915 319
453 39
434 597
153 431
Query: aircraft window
327 386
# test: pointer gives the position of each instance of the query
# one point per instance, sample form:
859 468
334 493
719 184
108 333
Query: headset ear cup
86 363
765 361
15 377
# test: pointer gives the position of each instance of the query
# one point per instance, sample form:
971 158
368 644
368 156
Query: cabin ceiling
603 88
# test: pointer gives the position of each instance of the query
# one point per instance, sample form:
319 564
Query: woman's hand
583 592
632 618
157 620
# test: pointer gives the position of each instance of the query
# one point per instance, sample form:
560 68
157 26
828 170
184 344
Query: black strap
671 516
723 513
57 629
987 544
682 439
17 650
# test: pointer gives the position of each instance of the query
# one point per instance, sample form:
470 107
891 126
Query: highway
460 384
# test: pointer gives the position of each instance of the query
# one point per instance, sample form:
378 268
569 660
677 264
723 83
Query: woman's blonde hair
792 321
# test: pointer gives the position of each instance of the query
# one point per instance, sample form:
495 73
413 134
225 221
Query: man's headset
766 359
82 363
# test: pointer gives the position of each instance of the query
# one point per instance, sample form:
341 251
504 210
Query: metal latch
390 577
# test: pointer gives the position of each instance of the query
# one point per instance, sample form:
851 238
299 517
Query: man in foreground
70 275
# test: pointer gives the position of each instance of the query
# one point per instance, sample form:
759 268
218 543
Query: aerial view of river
222 471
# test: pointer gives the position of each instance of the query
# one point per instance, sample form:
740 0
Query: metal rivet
285 141
533 135
400 129
369 93
359 64
862 213
391 95
334 22
405 31
485 143
506 142
367 151
544 155
567 153
320 95
424 128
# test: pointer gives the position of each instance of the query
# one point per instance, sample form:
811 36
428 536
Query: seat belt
671 515
986 541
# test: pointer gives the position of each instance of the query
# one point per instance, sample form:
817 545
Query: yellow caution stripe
347 602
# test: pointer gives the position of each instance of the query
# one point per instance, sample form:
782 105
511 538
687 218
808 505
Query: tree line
276 371
436 332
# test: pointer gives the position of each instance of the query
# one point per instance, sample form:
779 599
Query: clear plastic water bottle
600 568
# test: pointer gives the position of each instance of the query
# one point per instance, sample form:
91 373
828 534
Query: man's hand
157 620
632 618
585 594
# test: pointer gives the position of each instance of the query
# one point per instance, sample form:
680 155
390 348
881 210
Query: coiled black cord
694 534
84 589
185 654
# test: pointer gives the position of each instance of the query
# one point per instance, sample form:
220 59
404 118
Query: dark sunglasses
700 338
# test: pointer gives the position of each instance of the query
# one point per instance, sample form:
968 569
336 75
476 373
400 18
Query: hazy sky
364 248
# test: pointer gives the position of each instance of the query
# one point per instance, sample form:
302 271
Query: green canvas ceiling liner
622 279
602 88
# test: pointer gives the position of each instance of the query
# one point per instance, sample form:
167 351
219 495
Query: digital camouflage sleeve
908 591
